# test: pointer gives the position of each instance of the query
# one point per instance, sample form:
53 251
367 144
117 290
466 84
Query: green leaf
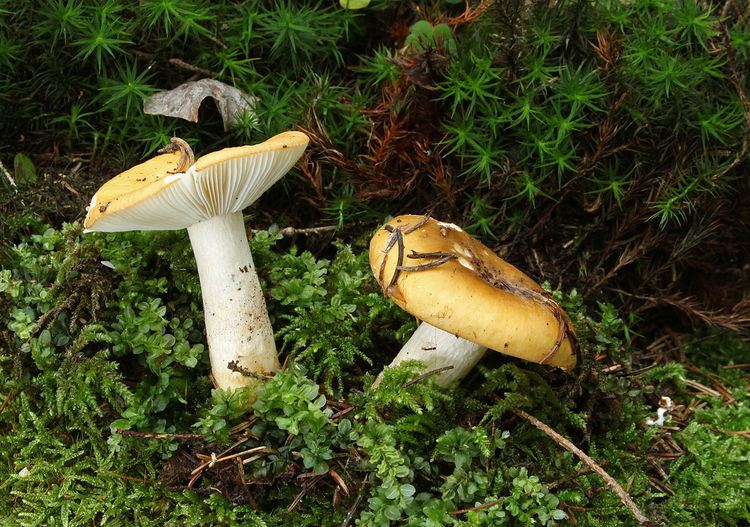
354 4
24 171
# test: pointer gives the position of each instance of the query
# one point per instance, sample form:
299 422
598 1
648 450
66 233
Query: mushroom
207 197
467 298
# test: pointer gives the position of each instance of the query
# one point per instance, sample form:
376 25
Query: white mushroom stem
240 338
437 349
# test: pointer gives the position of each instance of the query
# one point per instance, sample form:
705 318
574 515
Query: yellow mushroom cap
456 283
155 195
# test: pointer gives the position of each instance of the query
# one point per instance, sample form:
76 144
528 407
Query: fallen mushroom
207 197
467 298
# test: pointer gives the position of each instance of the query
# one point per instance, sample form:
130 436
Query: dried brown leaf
185 101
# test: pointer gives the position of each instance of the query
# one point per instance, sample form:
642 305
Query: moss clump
604 144
76 372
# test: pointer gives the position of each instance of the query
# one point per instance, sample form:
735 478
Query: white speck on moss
665 407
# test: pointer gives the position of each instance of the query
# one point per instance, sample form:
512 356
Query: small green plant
336 312
293 33
104 37
423 36
173 19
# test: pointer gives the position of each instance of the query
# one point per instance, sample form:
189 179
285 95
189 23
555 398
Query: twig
149 435
704 390
430 265
397 237
736 366
70 188
341 413
478 507
715 381
743 433
189 67
400 258
196 473
470 14
661 486
418 378
570 447
216 40
6 402
388 247
254 458
305 489
291 231
236 367
414 254
417 225
8 176
213 459
73 171
340 481
636 372
353 511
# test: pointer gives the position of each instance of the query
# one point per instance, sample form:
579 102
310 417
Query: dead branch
478 507
470 14
291 231
179 63
6 402
353 511
8 176
570 447
744 366
198 471
149 435
311 483
737 320
415 380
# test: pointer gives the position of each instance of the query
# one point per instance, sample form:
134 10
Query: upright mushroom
207 197
468 299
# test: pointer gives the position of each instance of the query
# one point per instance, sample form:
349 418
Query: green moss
425 452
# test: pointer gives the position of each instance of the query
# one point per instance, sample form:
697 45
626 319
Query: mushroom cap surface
156 196
456 283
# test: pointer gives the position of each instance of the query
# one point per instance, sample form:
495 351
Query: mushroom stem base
239 333
436 349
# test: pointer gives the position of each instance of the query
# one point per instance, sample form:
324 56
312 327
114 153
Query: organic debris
185 100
